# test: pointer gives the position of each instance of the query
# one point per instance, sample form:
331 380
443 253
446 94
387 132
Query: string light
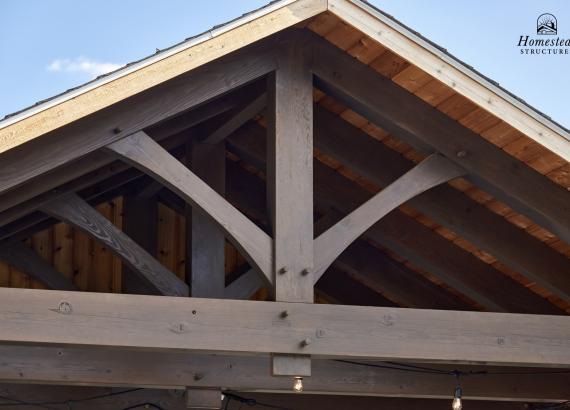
298 384
456 403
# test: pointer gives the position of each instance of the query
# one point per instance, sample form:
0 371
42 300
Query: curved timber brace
433 171
144 153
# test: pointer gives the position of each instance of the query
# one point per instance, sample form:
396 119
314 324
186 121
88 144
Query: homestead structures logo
546 40
546 24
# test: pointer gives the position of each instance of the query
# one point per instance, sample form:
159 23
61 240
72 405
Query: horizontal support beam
91 367
29 316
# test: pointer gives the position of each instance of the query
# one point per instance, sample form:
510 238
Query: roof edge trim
454 74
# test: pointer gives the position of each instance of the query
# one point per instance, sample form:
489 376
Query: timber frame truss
201 341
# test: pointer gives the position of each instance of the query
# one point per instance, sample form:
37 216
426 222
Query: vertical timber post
140 224
290 187
205 248
205 256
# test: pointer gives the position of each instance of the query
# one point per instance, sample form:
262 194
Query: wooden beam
462 215
203 398
409 238
217 46
141 111
431 172
205 254
290 174
145 154
436 62
241 117
366 264
382 102
382 274
140 220
49 317
430 251
75 211
98 367
26 260
85 171
290 186
244 287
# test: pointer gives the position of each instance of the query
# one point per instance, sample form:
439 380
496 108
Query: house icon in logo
546 24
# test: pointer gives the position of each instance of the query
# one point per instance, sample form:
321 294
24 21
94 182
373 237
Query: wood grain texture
476 223
127 117
409 238
432 171
461 79
505 177
163 70
290 174
30 316
72 209
145 154
205 254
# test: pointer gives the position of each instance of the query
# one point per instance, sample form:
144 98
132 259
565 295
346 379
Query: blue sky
48 46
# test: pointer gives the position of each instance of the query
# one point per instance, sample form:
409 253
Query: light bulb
456 403
298 384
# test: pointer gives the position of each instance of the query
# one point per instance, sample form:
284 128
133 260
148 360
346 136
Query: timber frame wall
258 104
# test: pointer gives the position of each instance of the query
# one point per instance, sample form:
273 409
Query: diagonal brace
72 209
147 155
431 172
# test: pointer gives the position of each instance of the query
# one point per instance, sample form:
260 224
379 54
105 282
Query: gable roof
50 114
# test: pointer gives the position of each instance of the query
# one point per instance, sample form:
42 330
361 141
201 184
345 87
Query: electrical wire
249 402
47 404
147 405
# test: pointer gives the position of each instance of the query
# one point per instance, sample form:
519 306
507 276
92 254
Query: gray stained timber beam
488 231
83 172
431 172
138 112
75 211
140 223
174 324
408 117
145 154
26 260
205 246
409 238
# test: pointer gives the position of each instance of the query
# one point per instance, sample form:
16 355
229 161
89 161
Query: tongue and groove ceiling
455 247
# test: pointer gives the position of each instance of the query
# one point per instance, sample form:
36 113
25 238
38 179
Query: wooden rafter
462 215
409 238
382 101
127 117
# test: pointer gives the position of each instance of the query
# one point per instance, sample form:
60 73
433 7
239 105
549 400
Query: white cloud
81 65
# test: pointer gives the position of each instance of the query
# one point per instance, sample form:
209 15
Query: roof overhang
192 53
